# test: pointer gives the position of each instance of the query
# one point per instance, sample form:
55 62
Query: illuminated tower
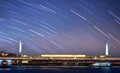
20 48
106 49
20 53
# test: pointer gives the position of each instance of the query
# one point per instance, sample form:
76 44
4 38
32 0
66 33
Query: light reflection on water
5 68
38 69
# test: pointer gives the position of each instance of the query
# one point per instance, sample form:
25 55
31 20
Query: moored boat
102 64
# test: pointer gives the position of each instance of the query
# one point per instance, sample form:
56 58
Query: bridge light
4 54
95 58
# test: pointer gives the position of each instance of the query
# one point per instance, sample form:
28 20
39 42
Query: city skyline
60 26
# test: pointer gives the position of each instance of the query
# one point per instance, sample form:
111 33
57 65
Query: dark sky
60 26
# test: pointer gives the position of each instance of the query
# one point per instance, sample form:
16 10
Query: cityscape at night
60 33
60 26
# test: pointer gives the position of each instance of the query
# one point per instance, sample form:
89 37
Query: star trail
60 26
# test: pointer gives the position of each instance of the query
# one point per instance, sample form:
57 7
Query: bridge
62 59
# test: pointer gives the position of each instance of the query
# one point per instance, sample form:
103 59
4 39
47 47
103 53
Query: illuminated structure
106 49
20 48
62 55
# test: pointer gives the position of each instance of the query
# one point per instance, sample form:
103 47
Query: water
31 69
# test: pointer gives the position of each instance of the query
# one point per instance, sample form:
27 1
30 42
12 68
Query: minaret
106 49
20 48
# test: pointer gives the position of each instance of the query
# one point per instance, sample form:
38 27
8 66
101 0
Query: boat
102 64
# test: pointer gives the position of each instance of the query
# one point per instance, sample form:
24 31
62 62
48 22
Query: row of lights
4 54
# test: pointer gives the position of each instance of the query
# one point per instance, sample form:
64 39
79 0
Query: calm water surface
31 69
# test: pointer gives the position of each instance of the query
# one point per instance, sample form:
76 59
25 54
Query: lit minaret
20 47
106 49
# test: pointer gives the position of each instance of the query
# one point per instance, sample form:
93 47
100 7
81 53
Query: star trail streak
60 26
78 14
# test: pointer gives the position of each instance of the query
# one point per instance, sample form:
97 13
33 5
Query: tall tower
106 49
20 48
20 53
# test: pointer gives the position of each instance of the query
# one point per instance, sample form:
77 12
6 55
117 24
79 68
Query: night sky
60 26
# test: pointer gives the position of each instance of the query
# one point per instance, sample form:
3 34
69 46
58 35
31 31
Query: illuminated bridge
62 59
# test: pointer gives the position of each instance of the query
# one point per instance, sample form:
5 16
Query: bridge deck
41 58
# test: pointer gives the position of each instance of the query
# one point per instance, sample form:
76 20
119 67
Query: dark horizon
60 26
